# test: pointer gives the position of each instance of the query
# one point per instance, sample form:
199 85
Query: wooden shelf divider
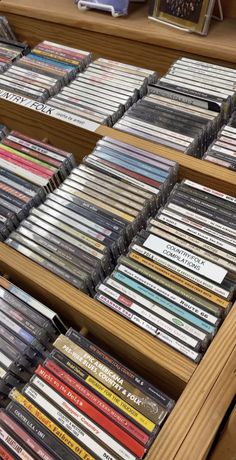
226 442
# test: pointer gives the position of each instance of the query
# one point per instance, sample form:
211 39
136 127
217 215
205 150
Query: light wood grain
198 170
226 445
114 47
229 8
195 397
158 45
34 124
159 361
212 413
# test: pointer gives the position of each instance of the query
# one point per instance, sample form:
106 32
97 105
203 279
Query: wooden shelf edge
226 442
208 421
58 293
61 134
182 420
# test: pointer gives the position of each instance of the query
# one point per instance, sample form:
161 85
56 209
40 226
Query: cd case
182 14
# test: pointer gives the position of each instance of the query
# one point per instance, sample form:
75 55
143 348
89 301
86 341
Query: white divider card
50 111
185 258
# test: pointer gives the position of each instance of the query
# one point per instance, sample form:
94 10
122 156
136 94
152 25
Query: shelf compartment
192 425
146 352
81 142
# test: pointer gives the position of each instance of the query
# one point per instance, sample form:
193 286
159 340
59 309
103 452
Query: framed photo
192 15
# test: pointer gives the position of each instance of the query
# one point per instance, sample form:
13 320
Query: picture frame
190 15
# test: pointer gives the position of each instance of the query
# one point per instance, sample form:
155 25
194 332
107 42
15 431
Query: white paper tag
185 258
50 111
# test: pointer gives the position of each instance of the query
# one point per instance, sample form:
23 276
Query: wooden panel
210 417
226 445
195 398
160 363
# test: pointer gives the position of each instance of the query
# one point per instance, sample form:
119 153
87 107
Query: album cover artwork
184 9
193 15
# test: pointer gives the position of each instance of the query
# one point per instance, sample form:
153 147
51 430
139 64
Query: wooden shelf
213 410
173 369
81 142
203 391
134 39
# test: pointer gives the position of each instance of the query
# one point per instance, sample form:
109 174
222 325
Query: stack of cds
5 29
186 108
176 124
27 331
223 150
87 223
178 280
64 54
83 403
10 52
200 83
44 71
104 91
28 170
